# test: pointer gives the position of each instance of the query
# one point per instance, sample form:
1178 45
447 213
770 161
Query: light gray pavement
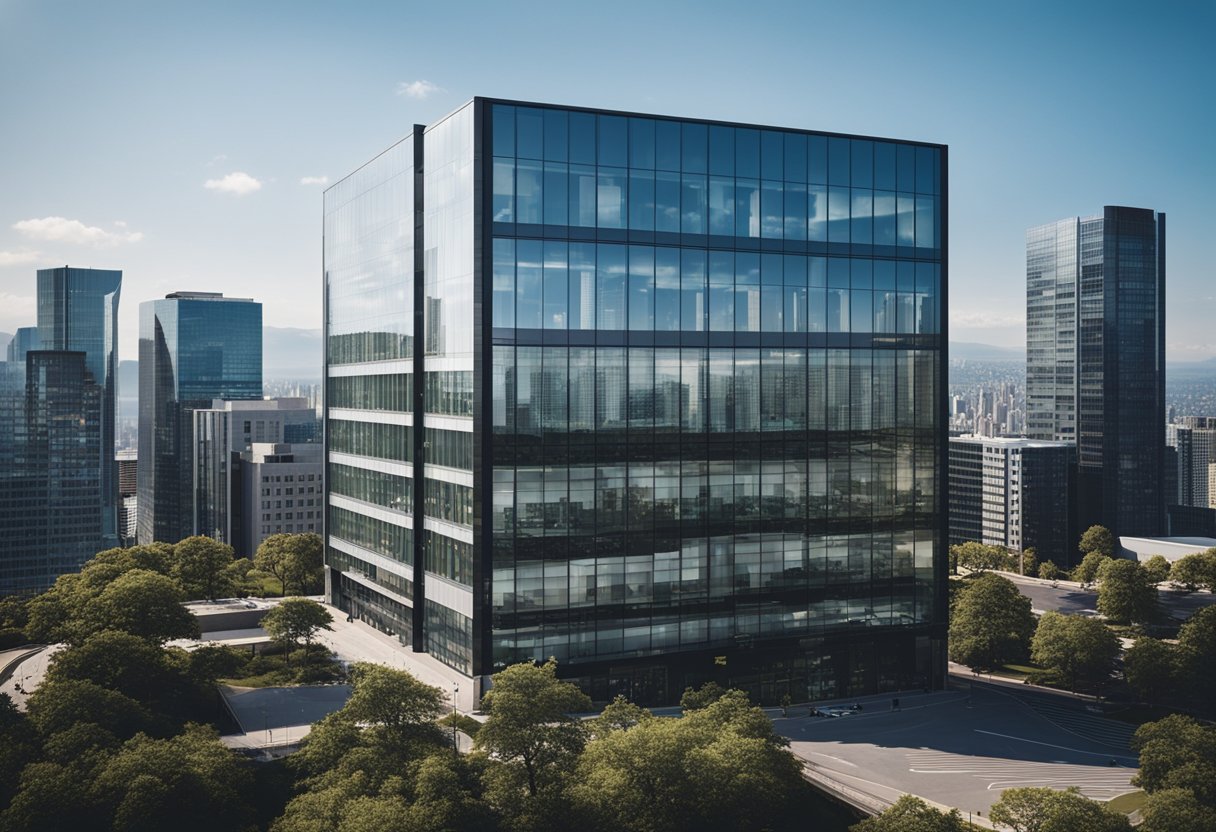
954 749
262 709
1070 597
28 674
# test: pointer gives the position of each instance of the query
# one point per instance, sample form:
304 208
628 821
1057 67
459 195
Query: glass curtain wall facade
682 402
78 311
1095 370
194 347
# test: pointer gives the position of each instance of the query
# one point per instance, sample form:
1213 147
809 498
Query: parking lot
957 749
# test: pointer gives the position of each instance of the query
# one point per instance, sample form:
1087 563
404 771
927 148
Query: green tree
1035 809
57 706
1158 569
530 723
188 783
1126 594
293 559
1098 539
1048 571
979 557
720 767
20 744
620 715
202 564
702 697
1079 650
911 814
990 623
140 602
1197 655
296 621
1087 570
1150 667
1176 810
397 704
1177 752
1196 571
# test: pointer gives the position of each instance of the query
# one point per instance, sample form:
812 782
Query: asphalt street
1069 597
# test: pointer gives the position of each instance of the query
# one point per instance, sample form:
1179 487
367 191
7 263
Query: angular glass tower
661 398
194 347
78 312
1095 359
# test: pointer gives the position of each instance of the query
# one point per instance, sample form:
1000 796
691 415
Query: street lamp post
455 744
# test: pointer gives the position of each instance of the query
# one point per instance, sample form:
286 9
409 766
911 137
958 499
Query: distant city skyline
200 141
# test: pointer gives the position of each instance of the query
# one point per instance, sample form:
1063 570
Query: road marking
837 759
1049 745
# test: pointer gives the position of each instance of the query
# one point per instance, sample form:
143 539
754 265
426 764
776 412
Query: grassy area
274 668
464 723
1128 803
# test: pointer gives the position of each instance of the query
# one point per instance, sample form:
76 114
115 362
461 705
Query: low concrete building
1171 548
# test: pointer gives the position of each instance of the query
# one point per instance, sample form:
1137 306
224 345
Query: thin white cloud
238 182
18 258
218 159
983 320
314 180
63 230
417 89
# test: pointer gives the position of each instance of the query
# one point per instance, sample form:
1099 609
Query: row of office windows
371 439
585 286
581 196
693 147
387 490
449 448
387 539
451 559
375 343
449 637
449 392
342 562
563 513
549 391
449 501
379 392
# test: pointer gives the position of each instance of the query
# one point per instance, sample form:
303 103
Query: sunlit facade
660 398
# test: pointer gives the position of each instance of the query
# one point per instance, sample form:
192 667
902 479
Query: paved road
958 751
1068 597
28 675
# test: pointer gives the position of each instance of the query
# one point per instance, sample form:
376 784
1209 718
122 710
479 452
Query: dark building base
808 669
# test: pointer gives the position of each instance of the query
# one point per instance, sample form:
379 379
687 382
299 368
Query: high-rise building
661 398
1095 359
78 312
194 347
1194 440
127 504
223 437
24 340
1017 493
281 491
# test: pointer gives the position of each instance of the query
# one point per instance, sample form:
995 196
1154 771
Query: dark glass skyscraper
194 347
1095 359
78 311
662 398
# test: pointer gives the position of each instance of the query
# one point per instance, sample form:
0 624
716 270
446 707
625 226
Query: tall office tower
78 312
194 347
662 398
223 436
281 492
1095 359
1017 493
127 478
1194 440
24 340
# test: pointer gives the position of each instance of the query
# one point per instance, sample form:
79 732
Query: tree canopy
1036 809
1176 810
911 814
1080 650
1158 569
294 559
1197 655
296 621
1086 572
1150 667
1126 593
990 623
1098 539
979 557
1195 571
1177 752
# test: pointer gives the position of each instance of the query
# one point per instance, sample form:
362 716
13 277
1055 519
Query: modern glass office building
662 398
1095 359
194 347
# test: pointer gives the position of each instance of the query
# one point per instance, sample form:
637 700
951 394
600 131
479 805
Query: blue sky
116 116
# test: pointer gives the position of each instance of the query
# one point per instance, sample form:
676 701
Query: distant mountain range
971 351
